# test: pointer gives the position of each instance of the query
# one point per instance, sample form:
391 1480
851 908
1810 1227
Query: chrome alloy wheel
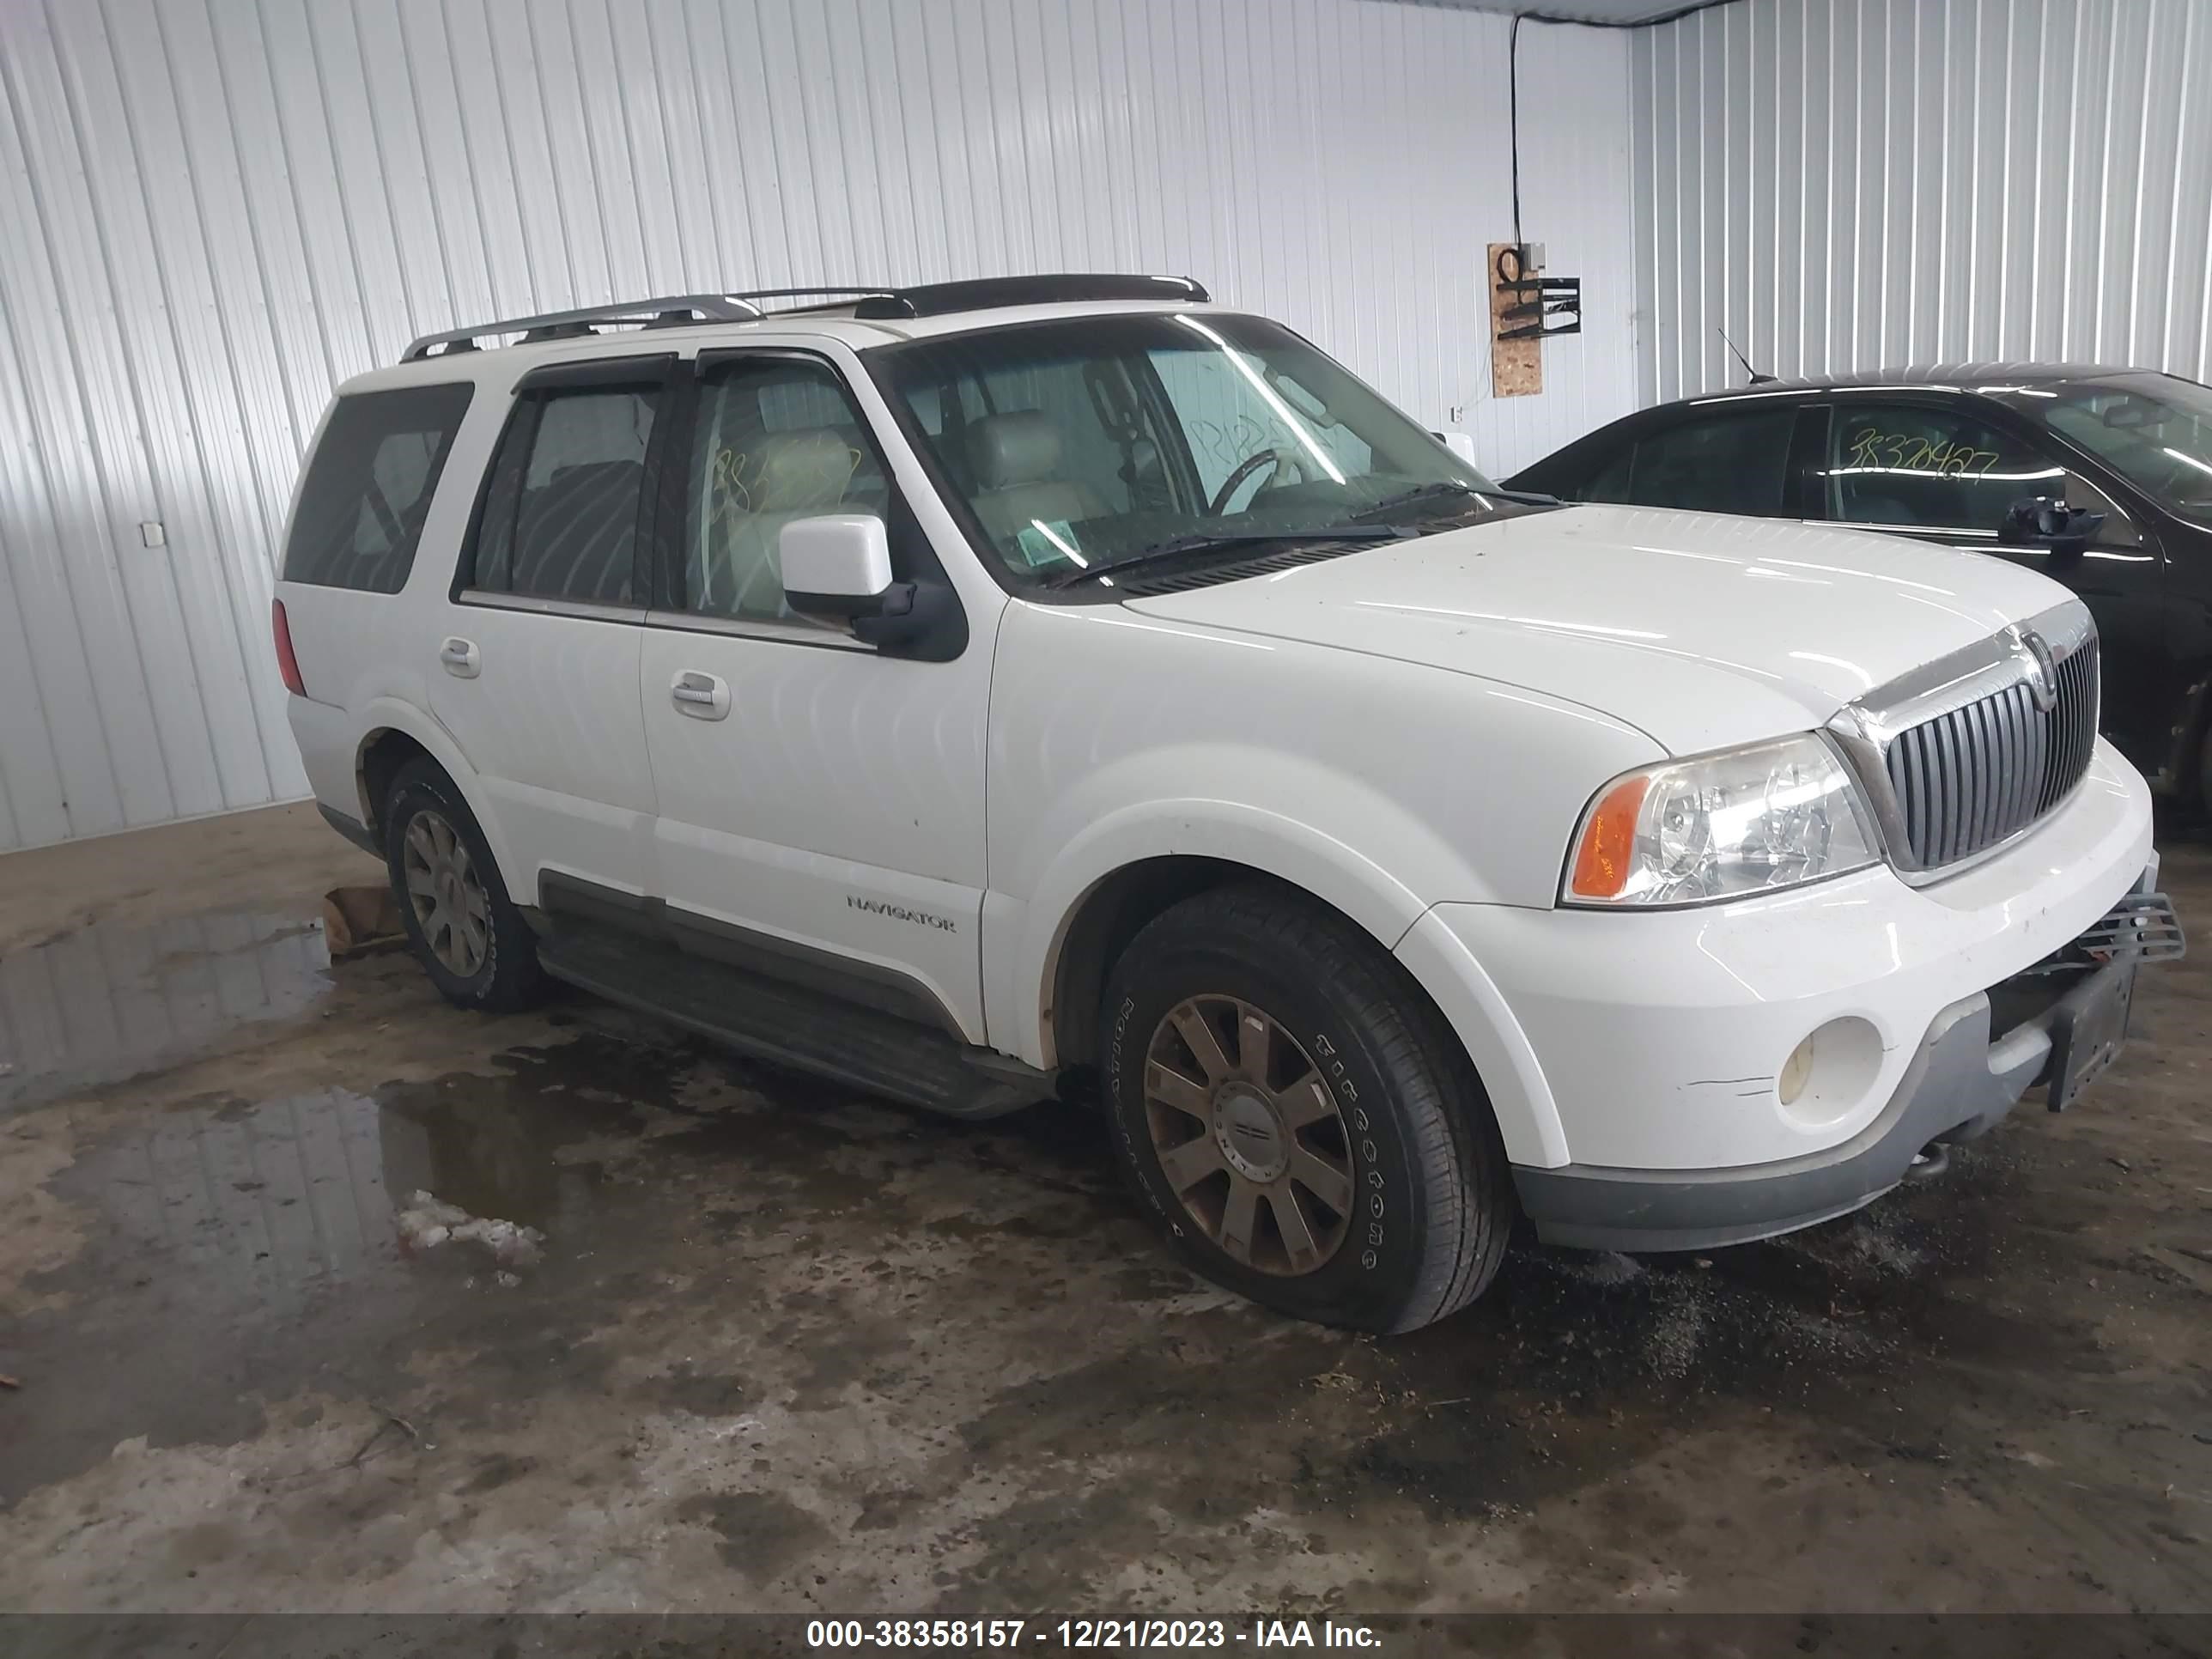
1248 1135
448 898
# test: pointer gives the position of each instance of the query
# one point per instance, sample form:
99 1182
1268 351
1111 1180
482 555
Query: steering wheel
1280 460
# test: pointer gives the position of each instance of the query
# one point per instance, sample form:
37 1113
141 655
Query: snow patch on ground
427 1223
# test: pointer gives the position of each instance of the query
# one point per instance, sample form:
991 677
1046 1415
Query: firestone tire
1411 1143
474 943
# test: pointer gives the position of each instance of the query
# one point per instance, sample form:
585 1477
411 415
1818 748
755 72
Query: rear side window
1733 463
560 516
369 486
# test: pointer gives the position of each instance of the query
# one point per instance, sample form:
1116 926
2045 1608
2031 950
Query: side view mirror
837 568
2047 521
1460 443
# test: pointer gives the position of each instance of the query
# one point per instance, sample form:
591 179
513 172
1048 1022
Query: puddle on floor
237 1252
259 1206
114 1000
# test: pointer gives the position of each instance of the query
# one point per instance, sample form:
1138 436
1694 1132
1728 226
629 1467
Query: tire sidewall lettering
1367 1215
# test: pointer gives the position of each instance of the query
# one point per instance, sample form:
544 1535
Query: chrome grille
1959 759
1981 774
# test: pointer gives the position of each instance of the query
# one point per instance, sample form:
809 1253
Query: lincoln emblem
2042 671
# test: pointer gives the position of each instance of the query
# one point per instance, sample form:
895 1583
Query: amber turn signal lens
1604 858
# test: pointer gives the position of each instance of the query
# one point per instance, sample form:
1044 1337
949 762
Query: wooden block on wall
1516 366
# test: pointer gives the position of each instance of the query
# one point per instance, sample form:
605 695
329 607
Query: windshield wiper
1443 488
1202 544
1418 494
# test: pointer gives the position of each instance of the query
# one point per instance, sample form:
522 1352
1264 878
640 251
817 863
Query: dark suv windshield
1088 442
2155 429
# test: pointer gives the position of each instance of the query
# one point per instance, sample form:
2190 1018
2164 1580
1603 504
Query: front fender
1353 879
1124 813
1356 883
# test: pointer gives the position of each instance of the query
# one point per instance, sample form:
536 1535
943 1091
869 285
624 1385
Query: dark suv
2100 477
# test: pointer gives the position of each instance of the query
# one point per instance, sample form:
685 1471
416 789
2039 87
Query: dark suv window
560 521
369 486
1720 463
1928 468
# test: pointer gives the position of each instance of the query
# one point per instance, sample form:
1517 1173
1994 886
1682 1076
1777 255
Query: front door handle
703 696
460 658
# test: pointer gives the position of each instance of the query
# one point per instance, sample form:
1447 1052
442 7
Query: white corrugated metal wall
1861 184
212 211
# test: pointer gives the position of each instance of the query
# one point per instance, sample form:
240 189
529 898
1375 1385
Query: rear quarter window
369 485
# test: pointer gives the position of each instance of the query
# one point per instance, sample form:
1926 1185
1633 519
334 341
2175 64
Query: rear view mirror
1303 401
2044 521
837 565
1460 443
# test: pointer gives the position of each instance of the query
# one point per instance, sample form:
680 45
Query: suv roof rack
874 302
671 311
982 293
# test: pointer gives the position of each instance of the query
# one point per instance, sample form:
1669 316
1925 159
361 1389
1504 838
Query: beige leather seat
1016 457
798 475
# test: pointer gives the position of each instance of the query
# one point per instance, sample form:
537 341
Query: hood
1701 629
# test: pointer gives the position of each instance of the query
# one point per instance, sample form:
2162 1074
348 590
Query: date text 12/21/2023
1074 1635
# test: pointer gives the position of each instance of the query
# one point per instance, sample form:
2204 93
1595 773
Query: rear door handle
703 696
460 658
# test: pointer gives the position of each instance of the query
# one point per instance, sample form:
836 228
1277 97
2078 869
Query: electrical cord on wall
1513 70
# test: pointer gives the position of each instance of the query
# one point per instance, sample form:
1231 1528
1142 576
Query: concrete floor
787 1348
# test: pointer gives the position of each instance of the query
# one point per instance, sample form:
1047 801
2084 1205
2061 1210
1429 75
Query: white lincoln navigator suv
955 690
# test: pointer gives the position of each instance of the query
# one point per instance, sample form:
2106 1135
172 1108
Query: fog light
1829 1075
1796 1071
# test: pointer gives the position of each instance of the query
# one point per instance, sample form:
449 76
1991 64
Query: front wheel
1298 1117
466 933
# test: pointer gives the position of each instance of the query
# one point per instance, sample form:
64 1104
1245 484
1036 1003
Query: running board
795 1026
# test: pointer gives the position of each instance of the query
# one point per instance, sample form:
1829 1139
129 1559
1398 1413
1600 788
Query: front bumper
1956 1087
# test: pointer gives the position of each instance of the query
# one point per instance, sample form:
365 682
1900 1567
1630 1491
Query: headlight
1719 827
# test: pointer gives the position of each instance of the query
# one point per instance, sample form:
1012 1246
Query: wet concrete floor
782 1346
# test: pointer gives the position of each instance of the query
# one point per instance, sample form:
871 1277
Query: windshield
2154 430
1082 444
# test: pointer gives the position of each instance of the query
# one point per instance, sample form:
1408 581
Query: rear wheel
466 933
1298 1117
